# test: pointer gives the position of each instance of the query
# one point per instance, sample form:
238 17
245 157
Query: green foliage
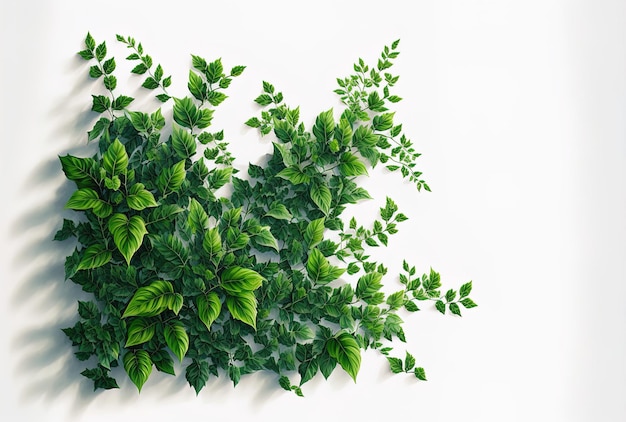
270 276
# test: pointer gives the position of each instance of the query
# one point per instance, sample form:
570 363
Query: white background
518 108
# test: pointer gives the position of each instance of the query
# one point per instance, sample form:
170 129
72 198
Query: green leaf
264 99
171 179
198 219
197 374
80 170
450 295
454 308
465 290
138 366
100 103
83 199
214 71
294 175
234 373
95 72
253 122
266 238
209 307
369 284
237 70
243 307
317 266
90 43
441 307
139 198
212 243
140 69
383 122
109 66
236 280
183 143
176 338
279 212
320 194
350 165
140 330
141 121
420 374
115 159
396 300
163 362
314 232
88 310
215 98
101 51
344 348
127 234
93 257
68 230
196 86
153 299
395 364
409 362
324 127
468 303
122 102
150 83
268 87
101 126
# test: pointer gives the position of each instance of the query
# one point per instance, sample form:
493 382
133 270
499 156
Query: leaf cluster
269 276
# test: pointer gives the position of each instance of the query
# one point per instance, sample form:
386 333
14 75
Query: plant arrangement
233 274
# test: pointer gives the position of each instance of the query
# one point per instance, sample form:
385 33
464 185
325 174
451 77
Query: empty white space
518 108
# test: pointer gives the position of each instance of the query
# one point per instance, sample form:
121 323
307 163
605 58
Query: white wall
518 108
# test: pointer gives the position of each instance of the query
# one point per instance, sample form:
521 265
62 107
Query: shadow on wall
45 366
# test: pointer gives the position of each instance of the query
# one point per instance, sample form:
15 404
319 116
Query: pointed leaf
212 243
127 234
314 232
344 348
183 143
197 374
139 198
94 256
209 307
243 307
198 219
279 212
115 159
176 338
236 280
153 299
320 194
138 366
171 179
140 330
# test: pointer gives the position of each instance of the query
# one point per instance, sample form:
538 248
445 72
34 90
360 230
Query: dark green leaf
138 366
344 348
197 374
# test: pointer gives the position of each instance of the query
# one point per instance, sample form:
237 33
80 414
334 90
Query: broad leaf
93 257
266 238
320 194
115 159
153 299
212 243
183 143
163 361
350 165
236 280
127 234
198 219
314 232
138 366
176 338
209 307
140 330
197 374
243 307
294 175
171 179
82 171
279 212
344 348
317 266
139 198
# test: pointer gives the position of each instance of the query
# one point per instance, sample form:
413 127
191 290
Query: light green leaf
344 348
243 307
266 238
212 243
176 338
140 330
324 127
314 232
93 257
140 121
317 266
279 212
171 179
153 299
115 159
196 86
236 280
350 165
214 71
198 219
395 364
320 194
80 170
209 307
138 366
83 199
183 143
127 234
420 374
139 198
294 175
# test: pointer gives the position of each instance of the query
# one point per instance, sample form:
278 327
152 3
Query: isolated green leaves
187 258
